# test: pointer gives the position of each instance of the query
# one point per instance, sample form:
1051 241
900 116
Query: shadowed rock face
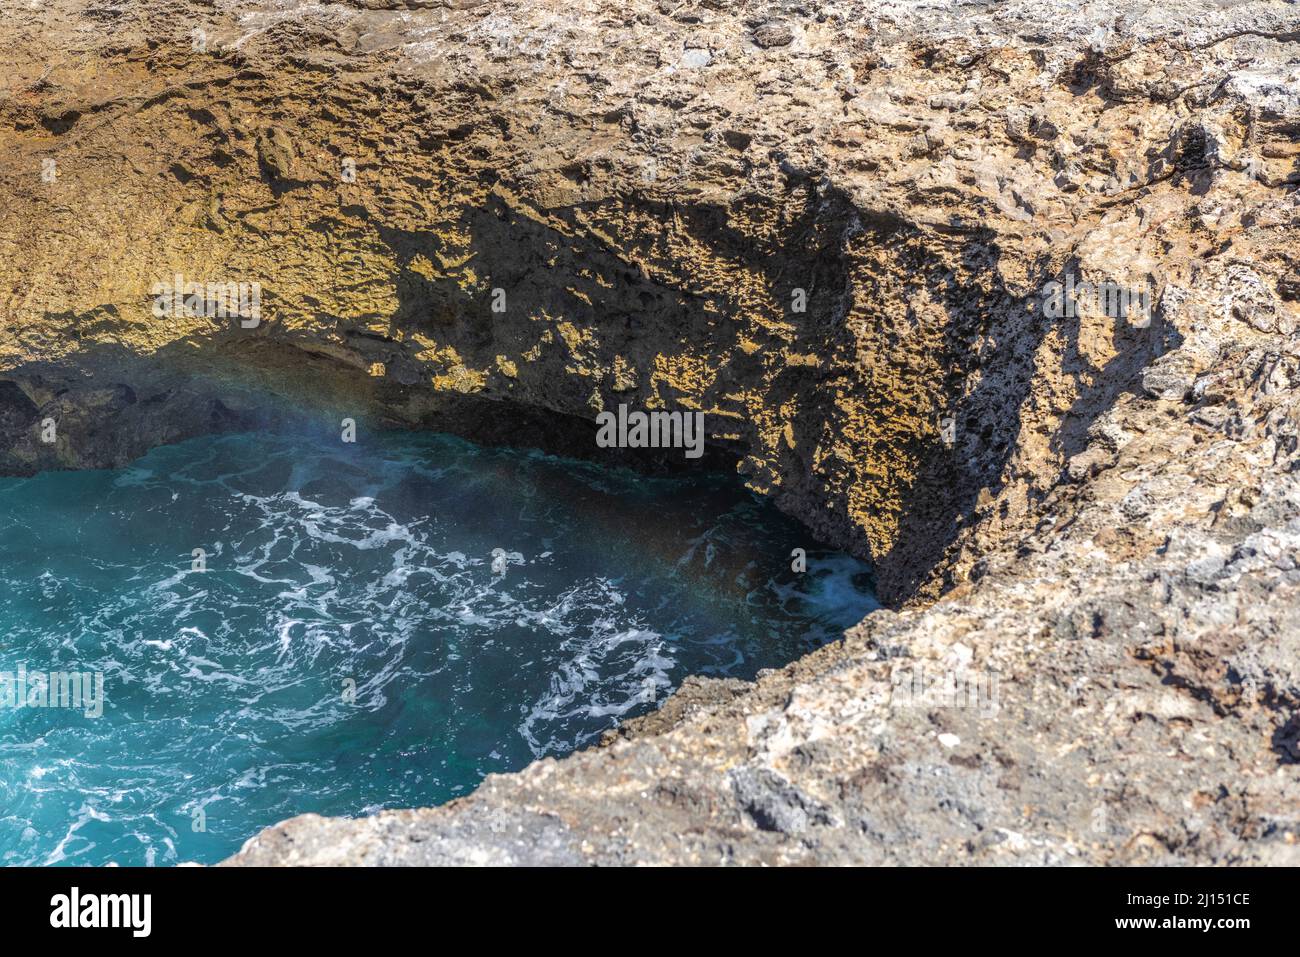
829 227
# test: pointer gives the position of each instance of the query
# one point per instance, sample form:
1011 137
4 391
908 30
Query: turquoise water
374 625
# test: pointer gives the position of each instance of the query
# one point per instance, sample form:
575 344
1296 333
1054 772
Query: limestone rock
832 225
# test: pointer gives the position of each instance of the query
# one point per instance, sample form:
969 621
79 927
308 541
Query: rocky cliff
828 226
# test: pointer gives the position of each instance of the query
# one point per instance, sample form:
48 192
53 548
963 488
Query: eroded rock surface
1087 525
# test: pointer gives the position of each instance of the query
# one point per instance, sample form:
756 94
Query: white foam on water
227 685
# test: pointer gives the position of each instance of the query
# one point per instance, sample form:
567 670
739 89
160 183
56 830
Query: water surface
371 626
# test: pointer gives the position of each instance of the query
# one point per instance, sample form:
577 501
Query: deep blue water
228 700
